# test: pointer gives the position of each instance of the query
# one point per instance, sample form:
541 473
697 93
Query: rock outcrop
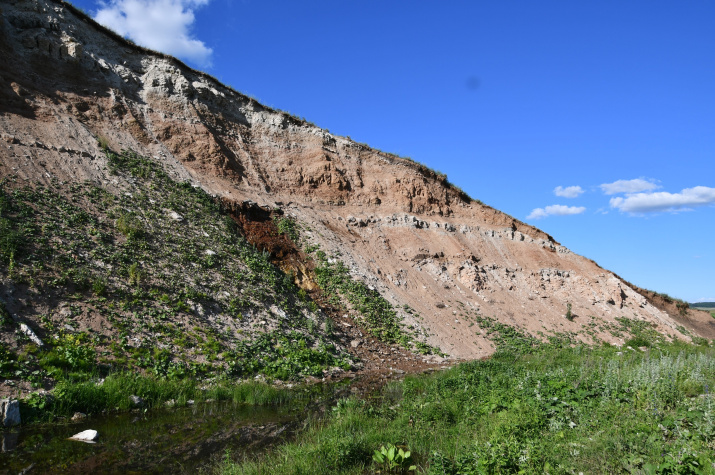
69 86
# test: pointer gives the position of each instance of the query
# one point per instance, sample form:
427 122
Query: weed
329 326
129 225
569 315
283 356
103 142
394 459
135 274
99 286
288 227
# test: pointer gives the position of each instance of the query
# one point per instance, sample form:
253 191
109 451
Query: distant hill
703 305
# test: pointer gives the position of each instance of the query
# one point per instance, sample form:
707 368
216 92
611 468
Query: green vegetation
173 288
113 394
5 318
287 226
377 315
393 459
281 356
569 315
553 410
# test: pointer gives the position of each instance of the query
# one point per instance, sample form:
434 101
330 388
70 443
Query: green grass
112 394
566 410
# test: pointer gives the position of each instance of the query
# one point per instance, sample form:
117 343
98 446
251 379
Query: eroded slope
438 257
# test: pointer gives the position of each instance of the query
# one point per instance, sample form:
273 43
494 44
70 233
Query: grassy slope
555 410
116 282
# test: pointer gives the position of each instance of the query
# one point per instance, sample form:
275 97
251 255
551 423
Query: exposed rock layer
66 82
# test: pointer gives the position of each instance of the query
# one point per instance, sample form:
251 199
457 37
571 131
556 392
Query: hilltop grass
551 410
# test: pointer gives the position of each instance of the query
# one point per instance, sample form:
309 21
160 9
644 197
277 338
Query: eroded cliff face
65 83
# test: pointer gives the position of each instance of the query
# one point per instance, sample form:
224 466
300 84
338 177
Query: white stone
88 435
136 400
175 216
31 335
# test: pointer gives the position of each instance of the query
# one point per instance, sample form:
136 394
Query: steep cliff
69 88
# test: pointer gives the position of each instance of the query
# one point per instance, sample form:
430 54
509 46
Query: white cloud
664 201
555 210
568 192
628 186
162 25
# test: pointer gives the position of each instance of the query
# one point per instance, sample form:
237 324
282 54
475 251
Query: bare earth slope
65 82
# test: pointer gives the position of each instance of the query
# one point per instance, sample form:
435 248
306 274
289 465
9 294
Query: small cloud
162 25
568 192
555 210
664 201
628 186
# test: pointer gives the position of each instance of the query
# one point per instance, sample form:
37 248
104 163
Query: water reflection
177 440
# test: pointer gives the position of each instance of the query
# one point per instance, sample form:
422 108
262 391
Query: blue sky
594 121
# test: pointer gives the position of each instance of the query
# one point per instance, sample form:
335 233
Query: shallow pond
160 440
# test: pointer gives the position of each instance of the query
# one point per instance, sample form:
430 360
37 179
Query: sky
593 121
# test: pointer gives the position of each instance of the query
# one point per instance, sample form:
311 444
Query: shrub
99 286
638 341
569 315
129 225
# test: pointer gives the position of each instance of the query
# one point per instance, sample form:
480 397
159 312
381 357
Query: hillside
147 210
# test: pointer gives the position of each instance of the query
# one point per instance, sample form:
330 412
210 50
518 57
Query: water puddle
176 440
159 441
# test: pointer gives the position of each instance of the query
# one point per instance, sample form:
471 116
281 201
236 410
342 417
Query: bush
638 342
129 225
